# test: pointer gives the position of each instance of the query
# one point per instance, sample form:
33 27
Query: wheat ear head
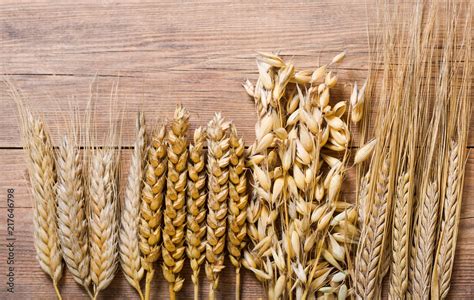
238 203
425 245
130 255
400 239
196 206
371 246
103 220
443 267
72 215
41 167
151 206
175 202
218 176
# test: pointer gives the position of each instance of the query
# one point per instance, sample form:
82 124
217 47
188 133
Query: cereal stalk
130 256
42 175
173 250
218 176
154 184
238 203
72 216
196 206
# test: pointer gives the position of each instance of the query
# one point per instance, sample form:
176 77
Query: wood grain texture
165 53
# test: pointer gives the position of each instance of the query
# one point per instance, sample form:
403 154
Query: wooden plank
164 57
52 98
165 53
30 278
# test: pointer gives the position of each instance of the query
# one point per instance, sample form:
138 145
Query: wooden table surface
197 54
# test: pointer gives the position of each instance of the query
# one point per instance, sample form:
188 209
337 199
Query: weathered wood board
161 54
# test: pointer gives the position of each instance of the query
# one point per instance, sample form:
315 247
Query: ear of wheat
42 176
43 179
196 206
103 217
238 203
130 256
72 215
218 175
173 249
152 202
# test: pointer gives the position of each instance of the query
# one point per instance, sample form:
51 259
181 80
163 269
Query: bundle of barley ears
154 184
130 255
419 151
173 250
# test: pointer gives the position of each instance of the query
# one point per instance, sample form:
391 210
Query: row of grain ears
190 203
185 201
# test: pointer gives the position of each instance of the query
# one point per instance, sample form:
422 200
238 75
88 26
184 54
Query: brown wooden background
197 54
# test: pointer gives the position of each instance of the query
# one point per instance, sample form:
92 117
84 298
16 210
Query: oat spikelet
103 222
448 231
196 206
154 184
175 202
425 246
238 203
218 175
400 239
369 258
42 174
130 256
72 216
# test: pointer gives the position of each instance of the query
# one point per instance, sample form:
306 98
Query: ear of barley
130 256
218 176
425 246
151 205
72 215
362 199
400 239
103 218
238 203
173 249
448 232
368 258
196 206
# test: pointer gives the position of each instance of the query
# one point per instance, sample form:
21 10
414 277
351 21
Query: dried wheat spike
218 175
425 243
443 267
238 203
400 239
151 205
103 220
42 174
175 202
196 206
72 217
371 245
130 256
